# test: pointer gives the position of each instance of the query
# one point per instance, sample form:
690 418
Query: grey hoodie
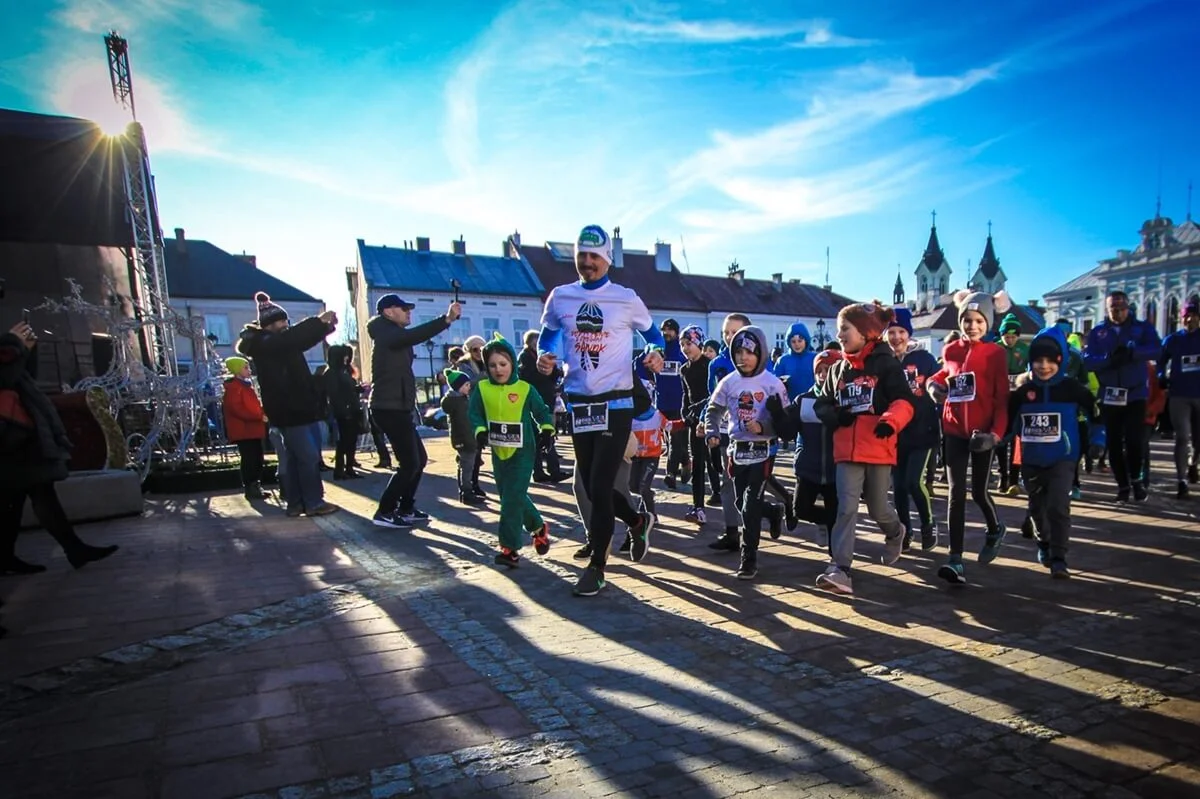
739 398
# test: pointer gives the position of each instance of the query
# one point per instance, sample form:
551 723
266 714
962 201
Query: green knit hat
1010 324
456 378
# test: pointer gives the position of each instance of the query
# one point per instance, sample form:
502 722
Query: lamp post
429 348
821 340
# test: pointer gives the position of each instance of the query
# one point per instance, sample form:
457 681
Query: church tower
898 291
989 276
933 273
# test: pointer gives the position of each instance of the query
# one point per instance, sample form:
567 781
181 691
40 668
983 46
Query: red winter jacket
988 412
243 412
875 373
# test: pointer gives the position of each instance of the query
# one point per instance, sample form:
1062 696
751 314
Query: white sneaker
836 580
892 548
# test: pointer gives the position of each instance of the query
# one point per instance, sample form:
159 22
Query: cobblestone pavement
229 651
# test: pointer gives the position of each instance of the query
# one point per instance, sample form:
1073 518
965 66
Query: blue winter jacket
1045 413
924 430
670 384
796 371
1117 355
1180 363
719 367
814 461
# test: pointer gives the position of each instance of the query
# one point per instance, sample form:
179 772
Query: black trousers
704 460
1126 428
385 457
1010 473
401 429
546 462
749 481
347 442
677 446
1050 505
49 512
958 456
250 457
805 505
597 456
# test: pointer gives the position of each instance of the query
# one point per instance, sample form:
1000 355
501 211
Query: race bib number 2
591 418
747 452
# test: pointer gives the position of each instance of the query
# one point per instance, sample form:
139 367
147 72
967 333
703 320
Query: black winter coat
393 386
545 385
341 389
291 395
34 448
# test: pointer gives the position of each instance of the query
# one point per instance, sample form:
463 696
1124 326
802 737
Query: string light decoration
158 413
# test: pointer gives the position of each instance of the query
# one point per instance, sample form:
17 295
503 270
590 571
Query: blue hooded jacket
1117 355
1180 363
670 384
719 367
796 371
1045 413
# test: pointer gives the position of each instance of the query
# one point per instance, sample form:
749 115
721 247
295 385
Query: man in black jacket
394 401
547 388
291 397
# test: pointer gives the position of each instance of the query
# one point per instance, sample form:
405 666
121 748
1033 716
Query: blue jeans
302 476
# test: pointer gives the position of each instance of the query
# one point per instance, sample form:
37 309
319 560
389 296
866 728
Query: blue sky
762 132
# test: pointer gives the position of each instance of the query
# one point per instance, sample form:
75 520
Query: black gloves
884 430
545 439
480 439
981 441
1122 355
845 417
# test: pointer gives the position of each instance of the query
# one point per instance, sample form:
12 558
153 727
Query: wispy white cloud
92 16
812 33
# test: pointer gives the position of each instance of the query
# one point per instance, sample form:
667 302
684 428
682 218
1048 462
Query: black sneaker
418 515
685 475
392 520
1182 492
775 519
472 500
669 482
583 553
506 557
728 542
640 536
590 583
790 517
1028 530
714 501
1139 492
1122 495
626 546
748 570
1059 570
479 492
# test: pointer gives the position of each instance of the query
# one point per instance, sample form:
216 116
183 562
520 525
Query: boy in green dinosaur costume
510 417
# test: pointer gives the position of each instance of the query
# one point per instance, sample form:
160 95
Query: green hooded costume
511 415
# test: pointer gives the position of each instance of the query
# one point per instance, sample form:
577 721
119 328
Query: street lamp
821 342
429 348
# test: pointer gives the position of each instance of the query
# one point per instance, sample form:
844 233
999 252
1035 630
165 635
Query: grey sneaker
892 548
836 580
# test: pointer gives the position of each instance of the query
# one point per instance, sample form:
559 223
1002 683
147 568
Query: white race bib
506 434
1118 397
591 418
961 387
1189 363
857 397
1012 382
1041 428
748 452
670 368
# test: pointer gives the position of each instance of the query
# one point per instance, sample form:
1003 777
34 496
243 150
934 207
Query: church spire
933 257
898 291
989 264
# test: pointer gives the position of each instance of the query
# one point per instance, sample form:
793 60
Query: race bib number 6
506 434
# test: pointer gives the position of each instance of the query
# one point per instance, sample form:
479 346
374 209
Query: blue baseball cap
392 301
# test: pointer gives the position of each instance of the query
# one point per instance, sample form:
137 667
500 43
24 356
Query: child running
973 383
816 471
462 436
1045 408
868 402
504 412
741 408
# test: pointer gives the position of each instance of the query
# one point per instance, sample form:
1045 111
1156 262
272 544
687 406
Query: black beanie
1045 347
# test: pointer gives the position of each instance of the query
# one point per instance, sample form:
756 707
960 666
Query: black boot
730 541
88 553
255 491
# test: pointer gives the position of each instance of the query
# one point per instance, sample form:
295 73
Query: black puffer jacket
545 385
291 395
393 386
34 448
341 389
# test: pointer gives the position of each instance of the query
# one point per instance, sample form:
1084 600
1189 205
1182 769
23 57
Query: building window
924 286
217 324
461 329
520 327
491 326
1087 326
781 341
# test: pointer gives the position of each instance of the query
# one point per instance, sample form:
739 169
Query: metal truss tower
150 276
